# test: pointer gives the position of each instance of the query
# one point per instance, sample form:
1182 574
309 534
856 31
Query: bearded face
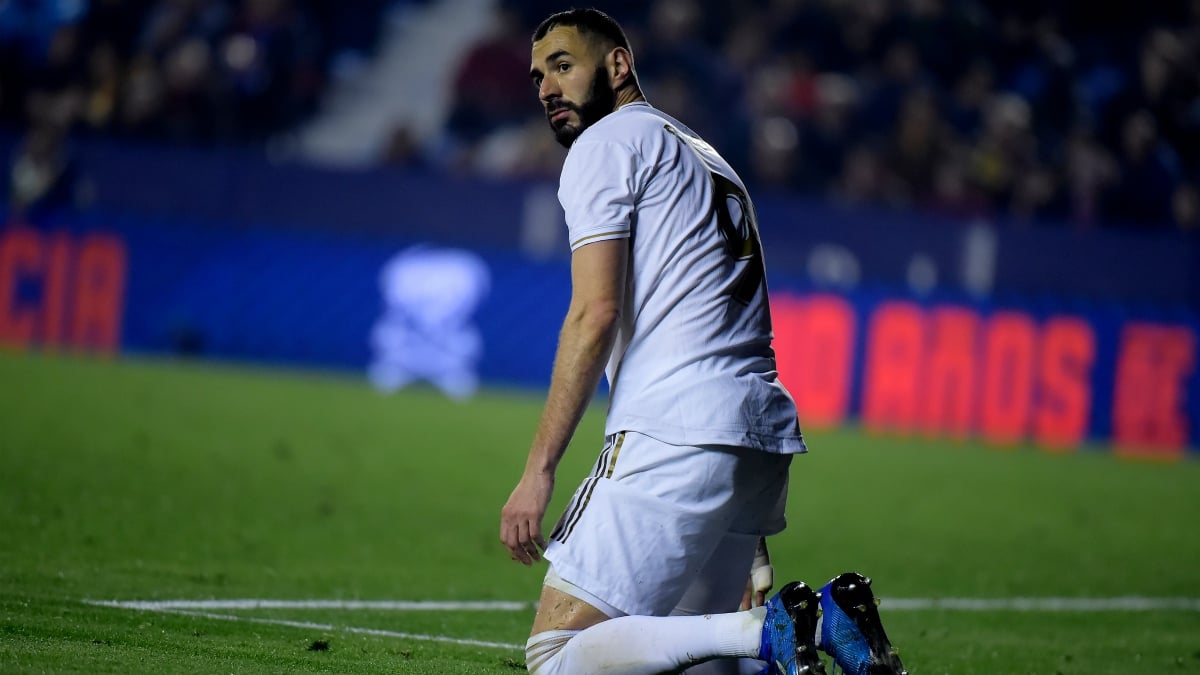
600 100
571 71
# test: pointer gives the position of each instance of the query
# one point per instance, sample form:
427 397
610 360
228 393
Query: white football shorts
642 526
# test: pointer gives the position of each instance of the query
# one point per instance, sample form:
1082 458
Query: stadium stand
1054 112
1037 111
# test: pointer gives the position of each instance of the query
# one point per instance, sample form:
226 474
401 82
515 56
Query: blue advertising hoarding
1051 371
904 322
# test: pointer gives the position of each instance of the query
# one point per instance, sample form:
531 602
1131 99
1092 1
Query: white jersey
692 363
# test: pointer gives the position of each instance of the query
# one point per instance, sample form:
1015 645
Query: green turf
143 479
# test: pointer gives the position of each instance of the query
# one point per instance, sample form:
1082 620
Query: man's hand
762 578
521 517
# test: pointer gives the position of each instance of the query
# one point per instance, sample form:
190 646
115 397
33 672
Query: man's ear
620 66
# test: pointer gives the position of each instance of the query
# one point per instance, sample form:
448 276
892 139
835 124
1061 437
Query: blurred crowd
181 71
199 71
1029 111
1054 111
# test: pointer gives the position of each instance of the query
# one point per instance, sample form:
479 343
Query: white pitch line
308 625
1018 604
1117 604
195 608
262 603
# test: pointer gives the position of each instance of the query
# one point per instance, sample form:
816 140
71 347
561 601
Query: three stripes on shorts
605 464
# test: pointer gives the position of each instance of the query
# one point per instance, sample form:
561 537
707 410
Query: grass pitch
156 480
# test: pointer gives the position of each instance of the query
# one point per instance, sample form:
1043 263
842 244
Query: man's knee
559 610
560 617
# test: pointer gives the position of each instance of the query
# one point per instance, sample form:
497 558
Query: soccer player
650 559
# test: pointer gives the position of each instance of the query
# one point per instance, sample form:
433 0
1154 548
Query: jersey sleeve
597 191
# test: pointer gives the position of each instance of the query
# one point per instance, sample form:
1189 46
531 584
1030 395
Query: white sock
721 666
646 645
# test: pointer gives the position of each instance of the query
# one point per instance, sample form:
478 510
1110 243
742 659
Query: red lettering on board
895 358
948 399
59 291
99 294
815 354
55 290
20 262
1006 399
1153 366
1064 402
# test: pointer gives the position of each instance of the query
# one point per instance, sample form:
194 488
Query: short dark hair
588 20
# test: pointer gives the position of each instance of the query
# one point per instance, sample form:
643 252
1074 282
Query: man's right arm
588 333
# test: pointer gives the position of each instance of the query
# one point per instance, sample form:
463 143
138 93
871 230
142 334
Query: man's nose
549 90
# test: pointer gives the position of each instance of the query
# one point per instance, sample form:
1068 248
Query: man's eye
564 67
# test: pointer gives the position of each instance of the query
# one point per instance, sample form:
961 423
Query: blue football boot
851 631
789 632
